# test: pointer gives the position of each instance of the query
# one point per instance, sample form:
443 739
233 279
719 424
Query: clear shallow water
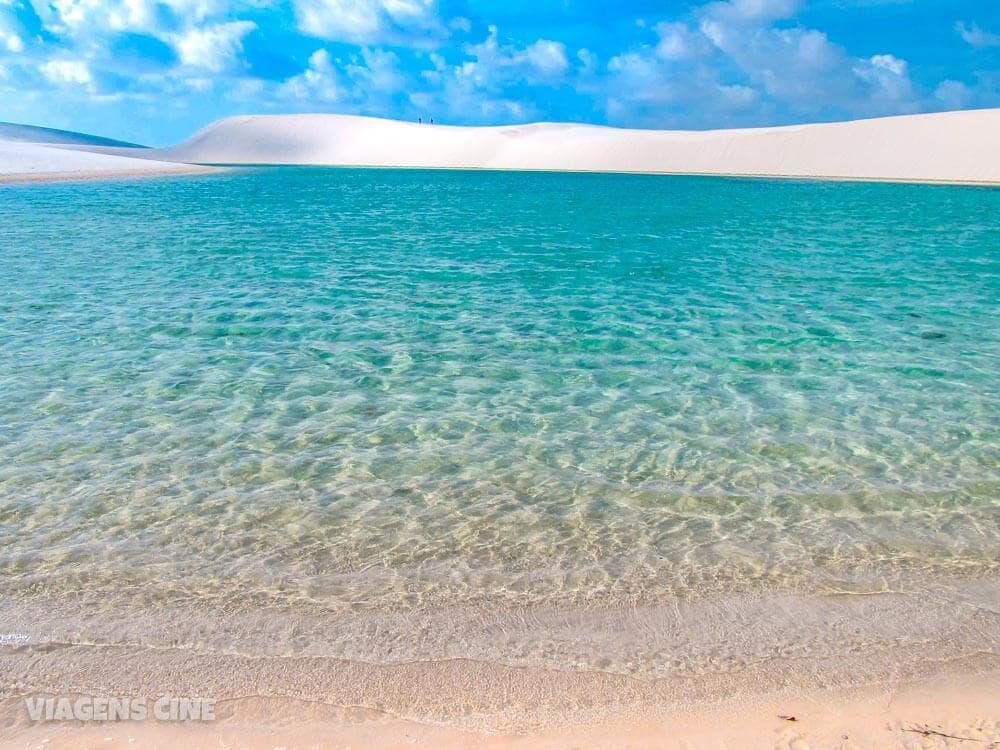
389 390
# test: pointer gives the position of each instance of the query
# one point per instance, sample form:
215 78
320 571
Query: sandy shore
932 712
876 669
97 174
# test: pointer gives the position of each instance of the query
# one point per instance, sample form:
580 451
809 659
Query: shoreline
929 710
841 663
721 175
32 178
199 169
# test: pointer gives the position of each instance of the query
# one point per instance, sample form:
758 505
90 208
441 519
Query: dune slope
941 147
11 131
22 161
950 147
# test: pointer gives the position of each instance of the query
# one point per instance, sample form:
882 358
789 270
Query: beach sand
935 712
855 671
37 162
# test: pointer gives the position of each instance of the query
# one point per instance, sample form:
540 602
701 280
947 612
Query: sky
155 71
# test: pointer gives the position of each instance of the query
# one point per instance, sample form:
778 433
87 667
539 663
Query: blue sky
154 71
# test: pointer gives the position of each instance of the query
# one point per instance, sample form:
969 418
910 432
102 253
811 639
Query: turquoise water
381 390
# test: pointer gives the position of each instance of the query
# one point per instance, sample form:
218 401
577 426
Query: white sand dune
65 155
951 146
25 162
12 131
942 147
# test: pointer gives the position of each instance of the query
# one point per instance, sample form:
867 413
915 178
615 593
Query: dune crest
11 131
948 147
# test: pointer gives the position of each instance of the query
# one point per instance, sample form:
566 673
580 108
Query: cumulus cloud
377 72
547 59
744 56
678 41
317 82
213 48
478 86
494 64
494 79
73 72
127 48
720 63
92 17
364 82
890 89
369 21
953 94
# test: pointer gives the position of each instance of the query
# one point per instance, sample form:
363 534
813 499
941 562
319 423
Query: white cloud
752 10
738 96
679 42
369 21
638 76
11 41
890 88
199 10
90 18
247 89
799 65
735 61
725 62
62 72
81 43
588 61
547 58
317 82
477 86
365 82
213 47
495 64
199 84
10 38
976 36
889 63
643 88
953 94
376 74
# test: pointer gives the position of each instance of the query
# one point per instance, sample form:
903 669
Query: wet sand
940 711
